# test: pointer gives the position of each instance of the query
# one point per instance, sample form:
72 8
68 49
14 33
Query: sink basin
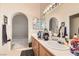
55 45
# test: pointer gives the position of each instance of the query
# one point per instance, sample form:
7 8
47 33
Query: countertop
53 51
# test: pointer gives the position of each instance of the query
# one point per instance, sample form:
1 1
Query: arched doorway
19 31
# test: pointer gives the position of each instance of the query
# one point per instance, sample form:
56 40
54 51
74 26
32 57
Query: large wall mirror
53 25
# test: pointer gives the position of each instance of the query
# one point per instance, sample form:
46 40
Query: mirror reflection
53 26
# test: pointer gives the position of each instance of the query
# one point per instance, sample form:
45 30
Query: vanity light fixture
51 7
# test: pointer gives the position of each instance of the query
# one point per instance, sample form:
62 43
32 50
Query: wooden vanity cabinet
43 51
38 49
35 46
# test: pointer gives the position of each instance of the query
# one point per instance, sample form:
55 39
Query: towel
4 34
65 31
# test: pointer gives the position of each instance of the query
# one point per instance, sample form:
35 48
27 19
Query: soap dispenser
39 34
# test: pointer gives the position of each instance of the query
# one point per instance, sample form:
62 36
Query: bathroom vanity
39 49
49 48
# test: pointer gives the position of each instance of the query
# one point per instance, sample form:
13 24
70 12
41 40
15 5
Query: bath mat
27 52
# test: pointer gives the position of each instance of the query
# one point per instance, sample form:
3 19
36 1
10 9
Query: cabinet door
35 46
41 51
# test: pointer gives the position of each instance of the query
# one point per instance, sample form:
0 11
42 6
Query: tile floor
15 52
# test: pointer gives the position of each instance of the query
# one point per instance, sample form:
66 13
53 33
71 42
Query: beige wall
30 10
42 8
62 13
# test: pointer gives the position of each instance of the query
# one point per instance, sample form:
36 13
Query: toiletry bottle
66 38
46 35
39 34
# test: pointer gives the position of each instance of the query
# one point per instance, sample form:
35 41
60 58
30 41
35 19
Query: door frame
71 17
